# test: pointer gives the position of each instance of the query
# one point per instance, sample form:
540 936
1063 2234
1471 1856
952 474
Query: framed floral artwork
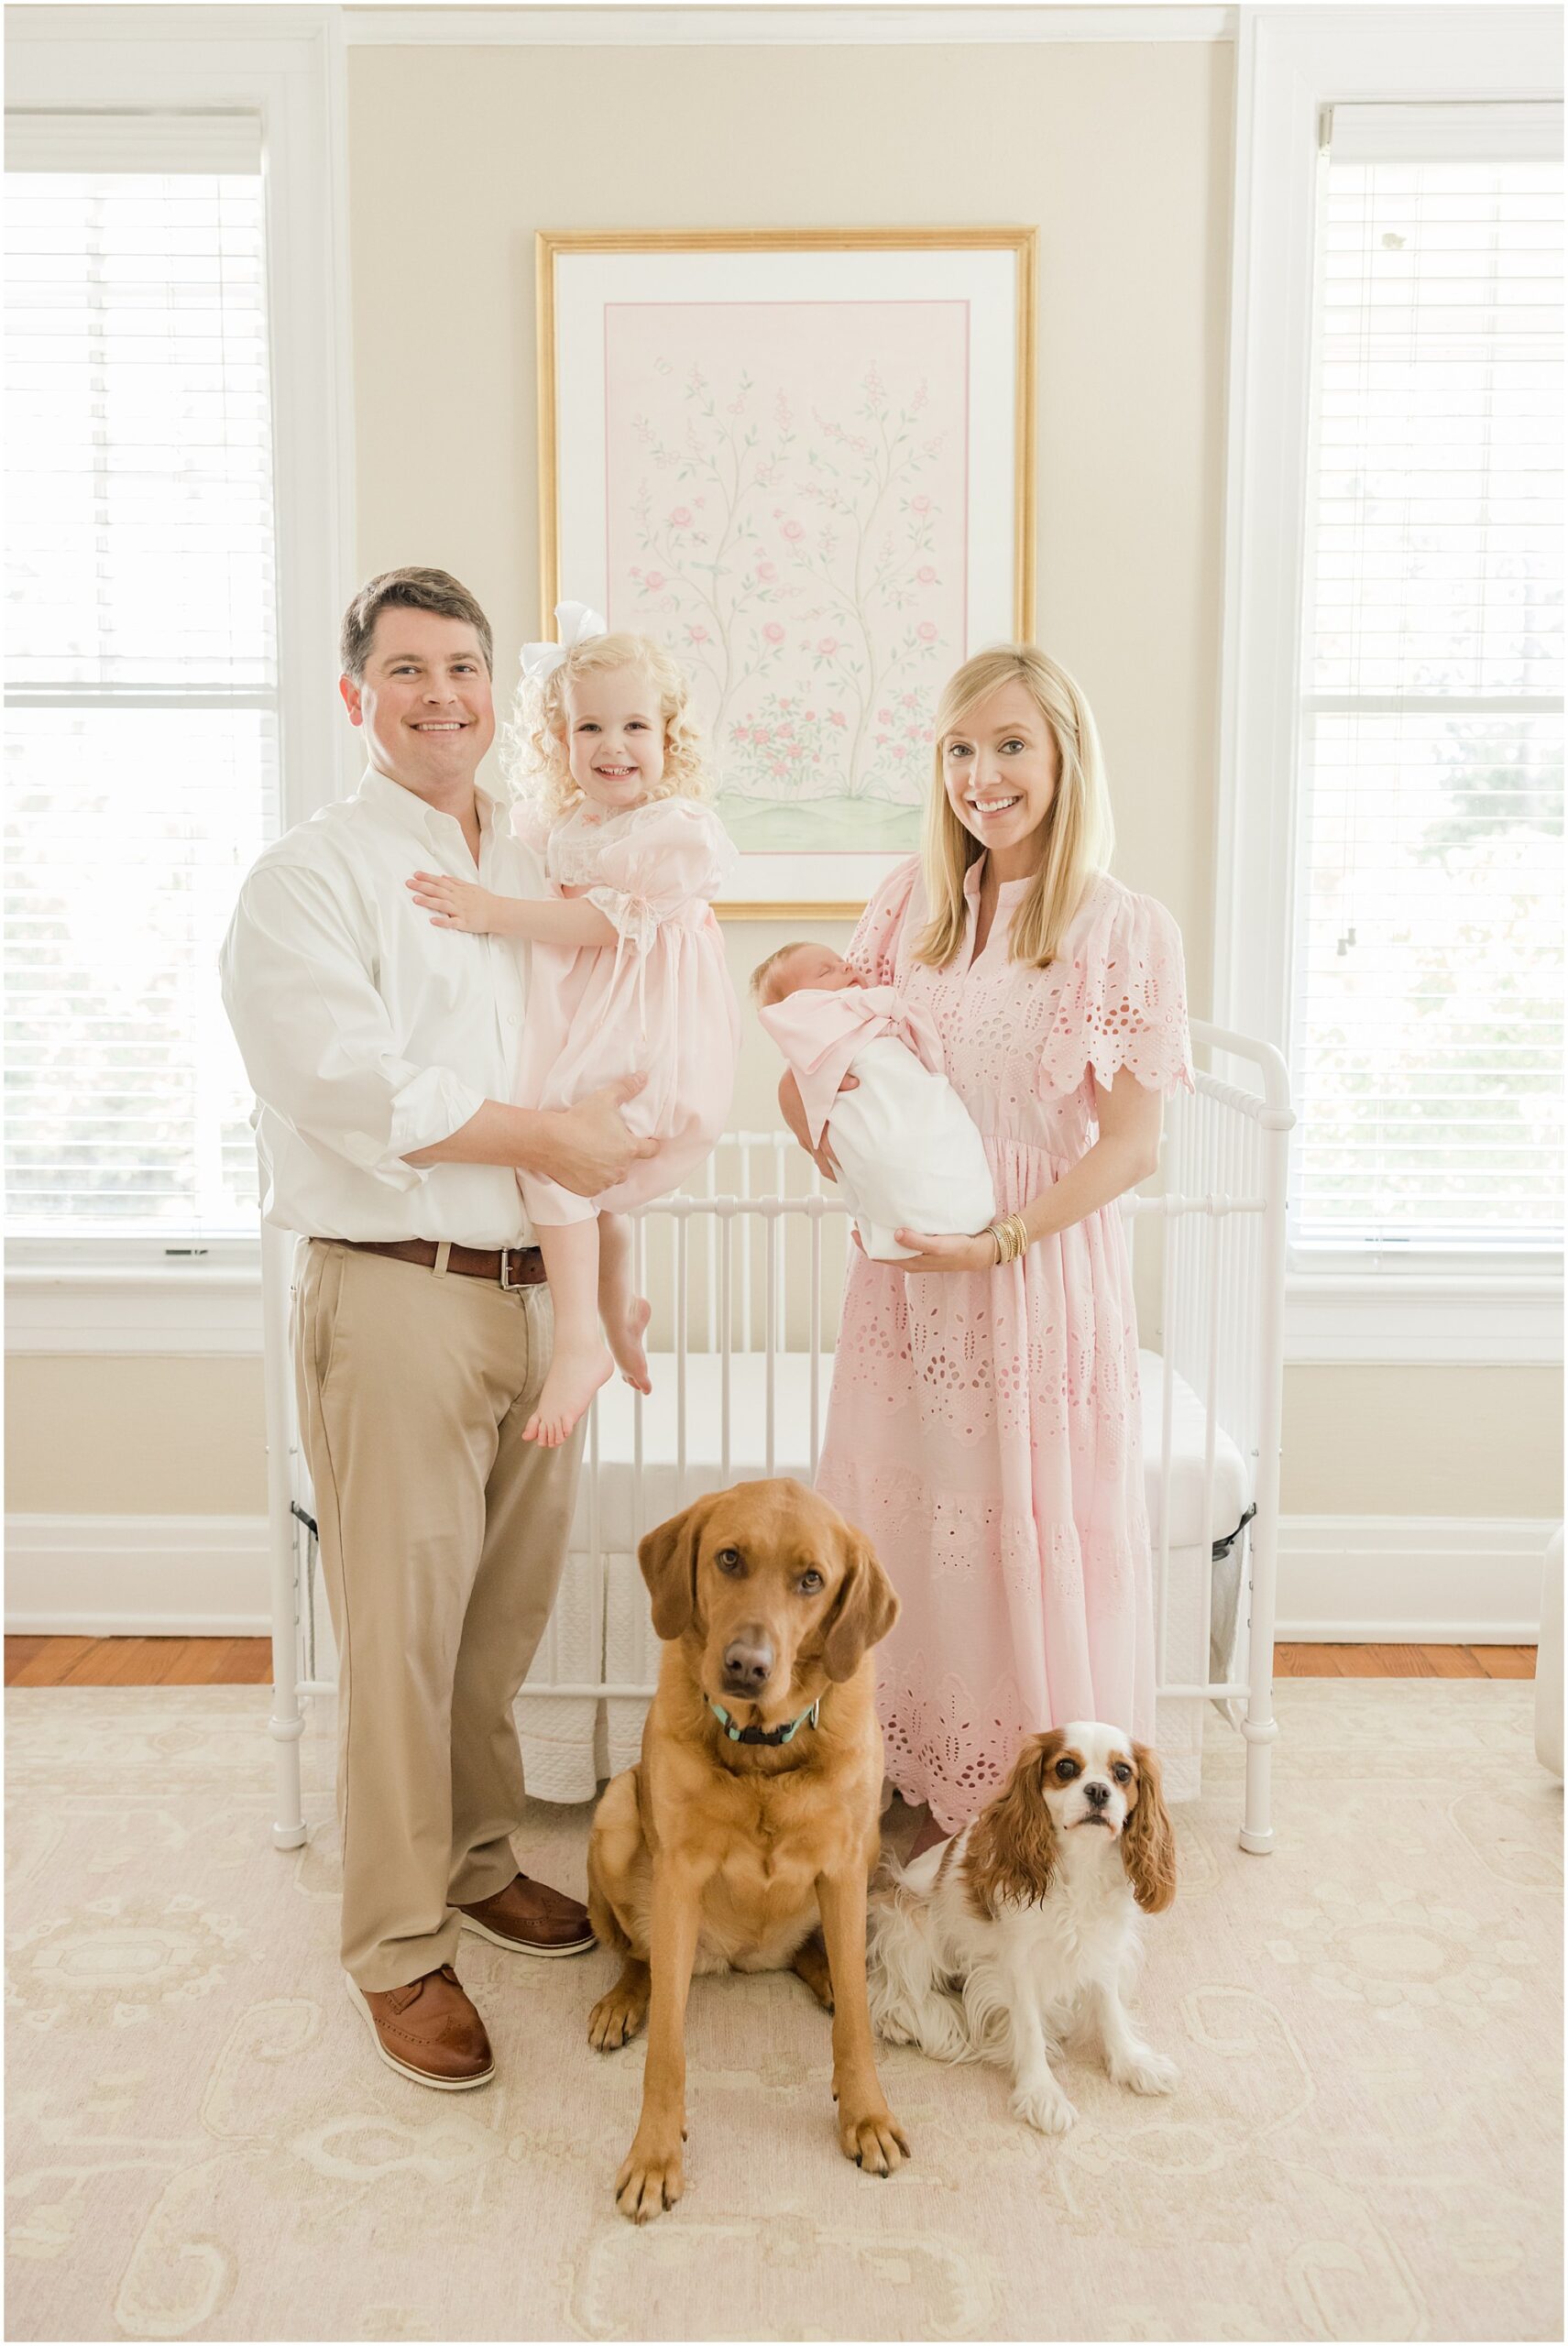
803 461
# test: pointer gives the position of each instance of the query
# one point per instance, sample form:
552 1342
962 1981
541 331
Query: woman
983 1425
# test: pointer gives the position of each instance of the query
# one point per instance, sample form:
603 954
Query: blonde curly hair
533 745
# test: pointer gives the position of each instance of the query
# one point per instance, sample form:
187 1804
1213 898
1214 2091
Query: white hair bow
575 624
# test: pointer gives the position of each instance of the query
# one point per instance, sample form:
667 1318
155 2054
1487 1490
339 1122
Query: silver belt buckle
507 1286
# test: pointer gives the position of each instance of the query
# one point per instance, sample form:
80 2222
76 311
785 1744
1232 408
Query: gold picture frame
669 250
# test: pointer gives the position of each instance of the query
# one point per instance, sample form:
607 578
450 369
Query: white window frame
286 65
1291 62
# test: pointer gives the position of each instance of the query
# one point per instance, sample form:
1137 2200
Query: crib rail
746 1266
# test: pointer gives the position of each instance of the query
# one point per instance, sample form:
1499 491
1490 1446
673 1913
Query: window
1425 1012
142 752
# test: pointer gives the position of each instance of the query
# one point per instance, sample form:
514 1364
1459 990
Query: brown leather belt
509 1267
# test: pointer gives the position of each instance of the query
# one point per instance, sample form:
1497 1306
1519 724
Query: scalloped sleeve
872 952
678 854
1123 1003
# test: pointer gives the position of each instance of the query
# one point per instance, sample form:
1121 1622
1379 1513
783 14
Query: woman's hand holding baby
459 904
935 1252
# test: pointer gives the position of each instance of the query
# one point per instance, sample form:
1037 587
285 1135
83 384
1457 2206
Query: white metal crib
744 1271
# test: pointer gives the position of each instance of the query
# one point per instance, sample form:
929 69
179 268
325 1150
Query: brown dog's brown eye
1121 1772
728 1560
810 1582
1067 1769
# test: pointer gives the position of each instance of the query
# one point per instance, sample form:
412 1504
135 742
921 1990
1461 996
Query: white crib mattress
600 1633
612 1488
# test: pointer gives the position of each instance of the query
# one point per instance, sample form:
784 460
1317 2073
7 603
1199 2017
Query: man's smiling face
424 701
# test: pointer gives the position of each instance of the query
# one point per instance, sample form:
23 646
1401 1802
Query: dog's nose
1097 1794
748 1661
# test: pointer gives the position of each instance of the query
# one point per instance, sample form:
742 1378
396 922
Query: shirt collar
407 808
1008 889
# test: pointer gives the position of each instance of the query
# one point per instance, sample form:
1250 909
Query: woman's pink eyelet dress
983 1426
659 1001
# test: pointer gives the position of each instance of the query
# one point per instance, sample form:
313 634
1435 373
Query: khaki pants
443 1534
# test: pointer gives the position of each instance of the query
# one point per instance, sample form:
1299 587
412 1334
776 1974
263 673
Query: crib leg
289 1828
1256 1835
1260 1726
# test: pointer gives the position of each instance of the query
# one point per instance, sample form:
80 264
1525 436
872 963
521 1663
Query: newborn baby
908 1154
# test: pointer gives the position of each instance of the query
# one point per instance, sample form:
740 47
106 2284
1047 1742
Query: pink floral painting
787 509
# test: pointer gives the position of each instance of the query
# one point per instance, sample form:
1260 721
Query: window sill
155 1306
1415 1320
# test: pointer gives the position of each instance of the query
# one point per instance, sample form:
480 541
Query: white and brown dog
994 1945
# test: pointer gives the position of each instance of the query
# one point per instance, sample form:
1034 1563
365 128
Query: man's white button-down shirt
366 1033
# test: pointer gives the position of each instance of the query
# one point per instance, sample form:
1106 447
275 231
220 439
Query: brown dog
717 1854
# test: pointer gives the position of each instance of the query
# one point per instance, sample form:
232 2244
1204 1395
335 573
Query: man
382 1050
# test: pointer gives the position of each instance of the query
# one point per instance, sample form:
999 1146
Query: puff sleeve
1123 1002
873 950
677 854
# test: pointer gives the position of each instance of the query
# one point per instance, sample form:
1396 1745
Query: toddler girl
629 972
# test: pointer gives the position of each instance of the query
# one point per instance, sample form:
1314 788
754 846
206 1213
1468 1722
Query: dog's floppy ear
1012 1849
866 1609
1148 1845
667 1555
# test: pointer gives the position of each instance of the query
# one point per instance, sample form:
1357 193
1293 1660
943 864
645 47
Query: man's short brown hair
409 590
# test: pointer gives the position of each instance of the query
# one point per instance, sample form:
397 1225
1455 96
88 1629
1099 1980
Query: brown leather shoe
428 2031
531 1919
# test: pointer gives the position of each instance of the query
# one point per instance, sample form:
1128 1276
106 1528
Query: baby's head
795 968
612 724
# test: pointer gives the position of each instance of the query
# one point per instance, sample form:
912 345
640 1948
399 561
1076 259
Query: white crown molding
1401 1580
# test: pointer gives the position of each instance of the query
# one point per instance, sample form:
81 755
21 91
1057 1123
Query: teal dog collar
771 1735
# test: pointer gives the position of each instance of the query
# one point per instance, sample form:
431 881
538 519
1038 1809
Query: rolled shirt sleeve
317 1037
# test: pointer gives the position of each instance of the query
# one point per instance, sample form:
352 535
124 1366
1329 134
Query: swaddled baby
908 1154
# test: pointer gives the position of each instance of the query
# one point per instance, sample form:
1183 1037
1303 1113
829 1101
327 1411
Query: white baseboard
1385 1580
137 1575
1409 1579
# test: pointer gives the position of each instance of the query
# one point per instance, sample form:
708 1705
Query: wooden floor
248 1662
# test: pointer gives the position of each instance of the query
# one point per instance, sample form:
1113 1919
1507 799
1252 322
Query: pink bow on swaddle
821 1031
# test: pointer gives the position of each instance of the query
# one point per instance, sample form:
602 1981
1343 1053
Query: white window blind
142 739
1426 1026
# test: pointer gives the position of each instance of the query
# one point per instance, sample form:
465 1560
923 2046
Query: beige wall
1121 155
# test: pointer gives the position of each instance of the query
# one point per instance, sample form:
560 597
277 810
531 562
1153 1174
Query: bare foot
625 1341
574 1375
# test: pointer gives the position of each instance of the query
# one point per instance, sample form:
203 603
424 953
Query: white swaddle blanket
908 1154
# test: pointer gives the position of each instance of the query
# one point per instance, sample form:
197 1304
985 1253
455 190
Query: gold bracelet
1012 1238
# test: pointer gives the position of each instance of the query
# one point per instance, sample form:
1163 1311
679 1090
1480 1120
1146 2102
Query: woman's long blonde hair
533 746
1079 834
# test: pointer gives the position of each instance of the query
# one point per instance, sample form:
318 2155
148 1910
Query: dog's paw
1045 2108
651 2177
614 2018
870 2135
1146 2071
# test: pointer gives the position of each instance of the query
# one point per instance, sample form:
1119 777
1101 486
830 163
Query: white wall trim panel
1410 1580
811 28
1425 1323
1377 1579
137 1575
159 1309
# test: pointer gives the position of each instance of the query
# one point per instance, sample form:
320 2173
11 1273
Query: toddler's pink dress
983 1426
657 1001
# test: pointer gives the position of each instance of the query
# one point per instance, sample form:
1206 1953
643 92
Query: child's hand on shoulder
457 904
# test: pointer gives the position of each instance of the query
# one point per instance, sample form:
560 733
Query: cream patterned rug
1365 2143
